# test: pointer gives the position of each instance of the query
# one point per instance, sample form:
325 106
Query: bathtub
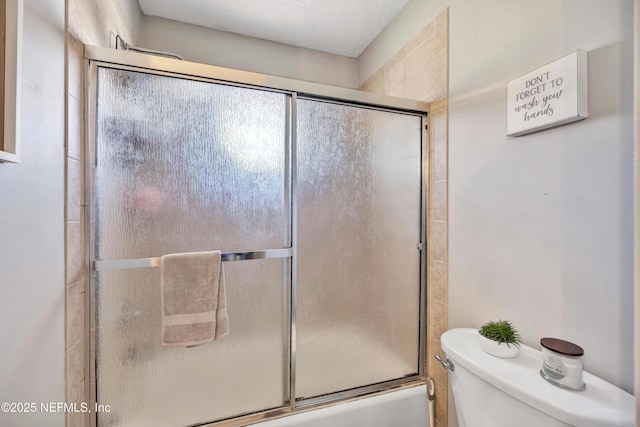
403 408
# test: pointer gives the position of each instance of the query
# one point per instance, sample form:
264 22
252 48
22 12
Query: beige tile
424 34
432 363
436 370
396 80
441 32
439 200
439 105
73 251
75 313
438 126
398 57
420 77
76 393
75 61
74 190
440 72
439 141
76 419
441 377
440 411
430 254
438 282
376 82
74 9
431 352
440 322
439 164
439 241
439 374
433 345
75 127
366 85
431 320
75 371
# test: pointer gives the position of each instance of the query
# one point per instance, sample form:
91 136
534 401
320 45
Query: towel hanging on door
193 299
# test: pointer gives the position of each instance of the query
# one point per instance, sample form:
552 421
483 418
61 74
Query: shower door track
109 58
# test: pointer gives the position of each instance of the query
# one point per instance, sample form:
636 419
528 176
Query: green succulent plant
501 331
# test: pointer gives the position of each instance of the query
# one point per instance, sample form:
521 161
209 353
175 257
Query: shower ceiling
341 27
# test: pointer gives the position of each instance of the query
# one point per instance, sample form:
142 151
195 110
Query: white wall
200 44
541 226
97 22
32 228
636 122
132 17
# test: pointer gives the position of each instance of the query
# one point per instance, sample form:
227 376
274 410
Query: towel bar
126 264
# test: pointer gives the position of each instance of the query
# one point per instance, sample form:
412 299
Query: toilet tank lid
601 405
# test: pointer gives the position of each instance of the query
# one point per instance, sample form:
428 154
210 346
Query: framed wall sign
552 95
10 82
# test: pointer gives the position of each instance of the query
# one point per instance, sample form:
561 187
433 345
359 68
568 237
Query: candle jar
562 363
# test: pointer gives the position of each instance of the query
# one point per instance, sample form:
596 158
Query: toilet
489 391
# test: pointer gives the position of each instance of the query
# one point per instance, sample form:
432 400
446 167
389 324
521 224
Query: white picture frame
11 70
552 95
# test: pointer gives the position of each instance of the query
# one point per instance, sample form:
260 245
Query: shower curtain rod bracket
126 46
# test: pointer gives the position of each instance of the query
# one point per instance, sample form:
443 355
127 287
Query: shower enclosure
316 196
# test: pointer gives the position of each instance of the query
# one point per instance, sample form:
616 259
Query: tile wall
419 70
93 22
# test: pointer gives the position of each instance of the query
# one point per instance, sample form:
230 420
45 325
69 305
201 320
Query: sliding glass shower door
358 264
184 164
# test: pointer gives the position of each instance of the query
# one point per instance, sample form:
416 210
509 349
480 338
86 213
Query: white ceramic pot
495 348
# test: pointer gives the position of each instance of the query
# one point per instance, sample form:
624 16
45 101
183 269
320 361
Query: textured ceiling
342 27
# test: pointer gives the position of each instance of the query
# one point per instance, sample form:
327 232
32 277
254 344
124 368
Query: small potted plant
500 339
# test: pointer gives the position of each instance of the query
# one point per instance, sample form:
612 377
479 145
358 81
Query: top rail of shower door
127 264
119 59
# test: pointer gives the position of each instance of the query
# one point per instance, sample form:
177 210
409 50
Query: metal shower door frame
96 57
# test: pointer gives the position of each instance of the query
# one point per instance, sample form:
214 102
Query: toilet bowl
493 392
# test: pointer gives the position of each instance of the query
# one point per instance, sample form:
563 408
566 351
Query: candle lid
561 346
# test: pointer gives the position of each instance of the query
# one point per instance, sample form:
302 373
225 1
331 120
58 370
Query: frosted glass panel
188 166
150 385
185 166
358 263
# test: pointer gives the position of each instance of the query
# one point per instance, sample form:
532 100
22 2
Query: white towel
193 298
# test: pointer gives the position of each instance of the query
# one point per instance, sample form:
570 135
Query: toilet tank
489 391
